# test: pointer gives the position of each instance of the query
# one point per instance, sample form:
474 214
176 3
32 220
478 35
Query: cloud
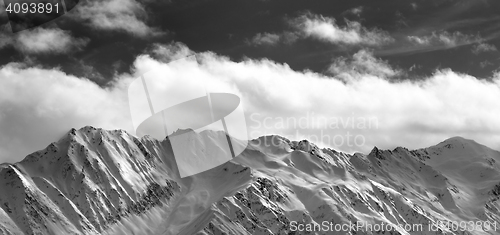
483 47
362 63
270 39
356 10
445 39
414 5
265 39
170 52
38 105
370 109
485 64
420 40
437 40
41 40
120 15
5 39
325 29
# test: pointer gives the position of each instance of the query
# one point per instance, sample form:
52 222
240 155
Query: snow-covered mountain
94 181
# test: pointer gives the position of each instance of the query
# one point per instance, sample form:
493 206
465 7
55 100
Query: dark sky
227 27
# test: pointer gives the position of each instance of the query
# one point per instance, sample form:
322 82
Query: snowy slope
94 181
297 181
84 183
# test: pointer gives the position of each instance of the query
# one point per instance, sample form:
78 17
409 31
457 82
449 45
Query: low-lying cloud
37 106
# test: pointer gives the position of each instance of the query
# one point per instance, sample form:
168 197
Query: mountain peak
458 139
182 131
457 142
304 145
67 181
459 151
375 150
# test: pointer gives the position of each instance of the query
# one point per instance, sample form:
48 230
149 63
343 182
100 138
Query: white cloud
270 39
420 40
362 63
41 40
325 29
169 52
483 47
122 15
444 38
265 39
38 105
407 113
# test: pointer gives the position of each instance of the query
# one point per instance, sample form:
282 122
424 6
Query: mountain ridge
94 181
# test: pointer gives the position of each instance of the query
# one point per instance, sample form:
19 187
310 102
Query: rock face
94 181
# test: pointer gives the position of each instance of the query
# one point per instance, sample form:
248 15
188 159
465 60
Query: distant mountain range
95 181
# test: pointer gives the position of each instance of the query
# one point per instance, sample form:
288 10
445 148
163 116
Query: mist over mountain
94 181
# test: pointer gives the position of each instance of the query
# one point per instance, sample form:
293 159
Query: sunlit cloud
120 15
362 63
41 40
38 105
326 29
265 39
